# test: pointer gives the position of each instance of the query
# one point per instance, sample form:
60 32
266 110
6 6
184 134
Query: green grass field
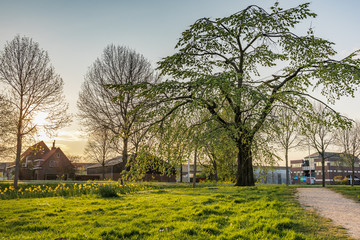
169 212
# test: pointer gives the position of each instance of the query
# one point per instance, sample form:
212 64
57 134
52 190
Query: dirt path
340 210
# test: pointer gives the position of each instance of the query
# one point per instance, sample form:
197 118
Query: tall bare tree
286 133
100 147
349 140
97 105
33 87
320 133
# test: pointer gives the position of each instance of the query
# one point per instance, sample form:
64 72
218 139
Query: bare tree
320 133
100 148
286 134
349 140
33 87
97 105
74 158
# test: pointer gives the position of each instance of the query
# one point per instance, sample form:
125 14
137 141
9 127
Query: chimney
53 147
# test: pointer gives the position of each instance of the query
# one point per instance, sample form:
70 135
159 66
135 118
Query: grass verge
348 191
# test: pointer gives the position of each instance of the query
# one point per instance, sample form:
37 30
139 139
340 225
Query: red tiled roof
30 149
47 155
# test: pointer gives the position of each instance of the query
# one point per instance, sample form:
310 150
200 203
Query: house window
52 163
58 155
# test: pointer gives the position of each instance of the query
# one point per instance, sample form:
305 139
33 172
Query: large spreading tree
248 63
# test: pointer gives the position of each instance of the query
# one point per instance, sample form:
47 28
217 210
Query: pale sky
75 32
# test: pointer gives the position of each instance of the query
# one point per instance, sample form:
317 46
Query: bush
107 190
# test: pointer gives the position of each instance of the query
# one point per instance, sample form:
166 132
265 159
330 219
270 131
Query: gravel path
329 204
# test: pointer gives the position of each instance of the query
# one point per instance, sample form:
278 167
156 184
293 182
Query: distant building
39 162
3 172
309 169
187 173
81 172
81 168
271 174
115 167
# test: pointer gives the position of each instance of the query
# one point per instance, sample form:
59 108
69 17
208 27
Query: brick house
39 162
310 166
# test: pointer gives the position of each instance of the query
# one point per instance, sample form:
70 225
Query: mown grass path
342 211
217 212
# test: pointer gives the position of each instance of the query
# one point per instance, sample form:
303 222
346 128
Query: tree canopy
239 68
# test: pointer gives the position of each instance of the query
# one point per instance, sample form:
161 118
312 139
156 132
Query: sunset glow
40 119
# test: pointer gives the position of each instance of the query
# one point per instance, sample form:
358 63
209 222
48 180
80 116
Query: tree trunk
287 166
245 174
125 159
194 175
104 150
323 169
17 161
181 173
103 170
125 149
352 173
215 170
18 146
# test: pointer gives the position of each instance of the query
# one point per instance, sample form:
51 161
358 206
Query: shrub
107 190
